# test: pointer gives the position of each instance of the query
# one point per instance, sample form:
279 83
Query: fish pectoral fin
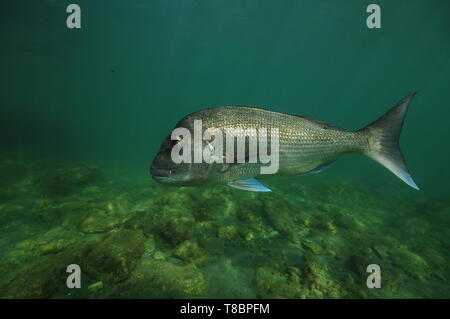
249 184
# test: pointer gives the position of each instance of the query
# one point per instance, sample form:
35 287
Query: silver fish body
305 145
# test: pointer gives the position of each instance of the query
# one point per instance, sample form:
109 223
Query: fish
305 146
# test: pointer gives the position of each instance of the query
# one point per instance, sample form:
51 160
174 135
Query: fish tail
383 136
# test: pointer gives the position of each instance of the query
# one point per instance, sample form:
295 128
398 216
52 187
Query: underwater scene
90 92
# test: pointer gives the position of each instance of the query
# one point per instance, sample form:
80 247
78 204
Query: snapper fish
304 146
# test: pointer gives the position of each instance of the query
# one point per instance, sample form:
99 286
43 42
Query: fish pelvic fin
249 184
384 135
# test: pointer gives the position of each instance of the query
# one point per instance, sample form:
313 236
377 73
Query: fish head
165 170
215 170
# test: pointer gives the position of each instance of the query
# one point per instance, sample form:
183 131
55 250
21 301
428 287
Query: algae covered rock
143 220
45 276
178 228
413 264
175 202
214 245
104 216
116 256
191 252
321 244
278 213
162 279
248 209
204 212
271 283
99 221
149 247
220 200
83 213
52 241
227 232
38 279
96 286
321 283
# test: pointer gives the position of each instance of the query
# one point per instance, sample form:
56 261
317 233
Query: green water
83 112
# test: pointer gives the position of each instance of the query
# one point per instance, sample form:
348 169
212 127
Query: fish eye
173 142
179 138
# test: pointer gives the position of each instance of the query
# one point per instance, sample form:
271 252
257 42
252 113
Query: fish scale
305 146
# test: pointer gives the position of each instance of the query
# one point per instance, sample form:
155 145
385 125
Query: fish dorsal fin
318 169
249 184
322 124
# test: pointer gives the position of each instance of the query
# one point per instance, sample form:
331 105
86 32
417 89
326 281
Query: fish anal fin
317 169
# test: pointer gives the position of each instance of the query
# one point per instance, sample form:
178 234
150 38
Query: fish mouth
160 174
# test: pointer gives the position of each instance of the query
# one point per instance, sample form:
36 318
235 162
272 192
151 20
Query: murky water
83 112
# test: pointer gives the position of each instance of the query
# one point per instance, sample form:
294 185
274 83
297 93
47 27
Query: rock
38 279
327 226
277 212
99 221
178 229
144 220
150 246
382 251
220 200
320 282
191 252
53 241
271 283
116 256
314 247
346 221
414 265
162 279
227 232
213 244
320 245
96 286
248 209
249 236
159 255
204 212
45 276
360 258
178 200
103 217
